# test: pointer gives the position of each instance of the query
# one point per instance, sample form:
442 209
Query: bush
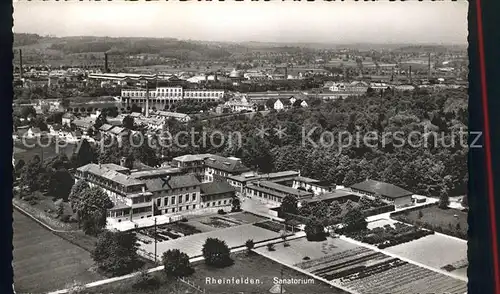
306 258
146 281
184 220
65 218
216 253
221 212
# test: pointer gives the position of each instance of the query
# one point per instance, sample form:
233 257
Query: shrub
176 264
65 218
221 212
306 258
216 253
250 245
145 281
184 219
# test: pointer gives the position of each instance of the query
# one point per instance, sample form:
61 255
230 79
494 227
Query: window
165 201
180 199
193 197
218 202
194 206
180 208
187 197
173 200
224 202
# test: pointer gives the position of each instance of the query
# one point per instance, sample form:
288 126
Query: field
45 262
254 266
362 269
442 220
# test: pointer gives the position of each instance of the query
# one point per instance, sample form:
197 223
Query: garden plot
436 251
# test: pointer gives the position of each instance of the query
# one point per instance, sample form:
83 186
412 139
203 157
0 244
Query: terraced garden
362 269
366 271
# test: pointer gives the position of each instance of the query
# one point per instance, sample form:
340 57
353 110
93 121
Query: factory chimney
106 69
21 63
409 74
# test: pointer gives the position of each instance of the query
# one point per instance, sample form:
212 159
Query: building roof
384 189
151 173
172 182
109 174
191 157
173 114
118 130
115 167
68 115
277 189
306 180
135 114
330 196
106 127
268 177
217 187
225 164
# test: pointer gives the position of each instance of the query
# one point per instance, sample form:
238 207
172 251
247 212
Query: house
278 105
242 104
84 123
312 185
175 115
273 193
292 100
304 103
217 195
219 168
33 132
118 132
55 129
67 119
239 182
105 128
392 193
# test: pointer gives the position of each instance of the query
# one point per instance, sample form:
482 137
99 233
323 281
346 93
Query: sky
275 21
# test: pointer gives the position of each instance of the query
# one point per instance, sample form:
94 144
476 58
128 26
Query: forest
436 167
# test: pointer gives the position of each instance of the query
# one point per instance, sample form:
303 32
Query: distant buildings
241 104
161 97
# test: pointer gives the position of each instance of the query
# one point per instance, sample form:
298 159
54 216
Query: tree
335 209
30 175
18 167
101 120
76 193
270 103
83 155
92 210
27 111
444 201
176 264
116 252
289 204
60 184
250 245
128 122
236 204
420 214
354 220
216 253
314 230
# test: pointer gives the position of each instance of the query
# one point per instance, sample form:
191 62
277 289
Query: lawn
263 271
45 262
441 220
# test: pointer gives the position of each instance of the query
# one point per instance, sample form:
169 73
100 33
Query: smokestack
106 69
21 63
409 74
286 73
